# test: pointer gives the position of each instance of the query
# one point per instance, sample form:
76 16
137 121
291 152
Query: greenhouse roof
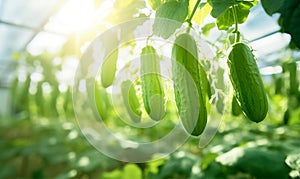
35 25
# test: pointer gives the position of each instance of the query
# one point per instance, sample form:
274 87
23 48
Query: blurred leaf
112 175
38 174
271 6
154 166
213 171
207 160
7 171
255 161
125 10
201 13
7 154
179 164
92 159
293 161
39 99
155 3
207 27
174 11
130 171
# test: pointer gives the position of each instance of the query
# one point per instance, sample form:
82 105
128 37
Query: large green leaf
256 161
290 14
271 6
173 11
219 6
226 19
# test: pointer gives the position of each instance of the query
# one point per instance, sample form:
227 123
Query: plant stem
193 12
236 31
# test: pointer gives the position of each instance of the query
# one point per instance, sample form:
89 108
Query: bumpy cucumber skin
187 81
131 101
247 82
108 69
152 90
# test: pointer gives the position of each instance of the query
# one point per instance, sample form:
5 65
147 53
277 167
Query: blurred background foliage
39 136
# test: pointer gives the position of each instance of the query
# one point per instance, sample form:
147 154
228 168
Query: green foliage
289 18
271 6
290 14
170 16
129 171
155 3
293 161
125 10
226 19
256 162
222 10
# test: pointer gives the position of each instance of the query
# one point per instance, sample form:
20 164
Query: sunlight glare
77 15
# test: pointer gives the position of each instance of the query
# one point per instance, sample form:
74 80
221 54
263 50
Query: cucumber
247 82
108 69
152 89
131 101
189 97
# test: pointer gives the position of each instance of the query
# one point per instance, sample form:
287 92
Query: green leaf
180 164
271 6
8 171
256 161
293 161
130 171
226 20
290 14
201 13
206 29
220 6
174 11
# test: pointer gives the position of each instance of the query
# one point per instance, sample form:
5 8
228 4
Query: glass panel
259 23
263 48
30 12
12 39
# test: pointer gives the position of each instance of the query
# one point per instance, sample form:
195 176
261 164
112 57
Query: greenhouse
150 89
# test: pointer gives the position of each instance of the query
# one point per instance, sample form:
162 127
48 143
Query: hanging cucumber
108 69
152 89
189 96
247 82
131 101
